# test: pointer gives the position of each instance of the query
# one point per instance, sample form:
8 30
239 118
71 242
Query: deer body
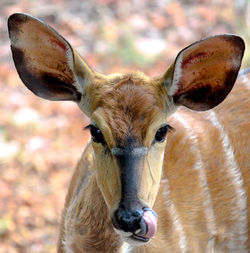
137 188
211 182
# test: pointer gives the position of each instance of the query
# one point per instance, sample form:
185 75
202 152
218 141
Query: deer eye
96 134
161 133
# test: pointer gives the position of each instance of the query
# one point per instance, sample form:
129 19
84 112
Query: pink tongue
151 222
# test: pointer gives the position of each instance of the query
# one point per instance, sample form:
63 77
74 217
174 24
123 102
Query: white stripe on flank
239 203
199 166
175 217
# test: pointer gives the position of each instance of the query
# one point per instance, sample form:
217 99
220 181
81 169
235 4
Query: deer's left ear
204 73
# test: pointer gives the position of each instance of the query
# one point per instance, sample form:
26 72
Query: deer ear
45 61
204 73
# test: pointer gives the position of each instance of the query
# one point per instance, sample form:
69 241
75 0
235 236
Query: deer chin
131 238
136 240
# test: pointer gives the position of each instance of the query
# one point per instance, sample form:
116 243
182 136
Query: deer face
128 112
128 128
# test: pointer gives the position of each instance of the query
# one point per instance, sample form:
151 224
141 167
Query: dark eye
96 134
161 133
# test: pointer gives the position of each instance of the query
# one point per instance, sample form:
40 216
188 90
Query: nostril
127 221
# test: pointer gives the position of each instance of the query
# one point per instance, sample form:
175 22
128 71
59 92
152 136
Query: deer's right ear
45 61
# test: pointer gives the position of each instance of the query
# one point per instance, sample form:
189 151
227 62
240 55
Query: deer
167 166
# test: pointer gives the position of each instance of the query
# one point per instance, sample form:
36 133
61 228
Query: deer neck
87 224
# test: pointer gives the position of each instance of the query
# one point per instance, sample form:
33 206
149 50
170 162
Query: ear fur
204 73
45 61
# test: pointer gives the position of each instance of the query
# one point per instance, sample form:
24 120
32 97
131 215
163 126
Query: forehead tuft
129 108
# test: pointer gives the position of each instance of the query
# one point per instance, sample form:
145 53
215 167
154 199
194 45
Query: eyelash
96 134
161 133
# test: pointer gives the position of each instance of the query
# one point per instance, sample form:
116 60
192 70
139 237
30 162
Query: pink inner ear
195 58
59 43
205 72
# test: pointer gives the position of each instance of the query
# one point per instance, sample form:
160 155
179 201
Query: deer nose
140 225
127 220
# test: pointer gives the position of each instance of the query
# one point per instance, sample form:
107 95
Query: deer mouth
139 239
148 228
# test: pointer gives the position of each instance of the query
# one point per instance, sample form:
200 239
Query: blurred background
41 141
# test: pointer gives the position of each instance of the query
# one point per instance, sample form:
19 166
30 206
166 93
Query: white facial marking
135 151
126 237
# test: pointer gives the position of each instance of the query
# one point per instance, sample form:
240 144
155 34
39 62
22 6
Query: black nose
127 220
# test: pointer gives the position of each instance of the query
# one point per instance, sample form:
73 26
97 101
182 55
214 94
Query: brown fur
184 186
